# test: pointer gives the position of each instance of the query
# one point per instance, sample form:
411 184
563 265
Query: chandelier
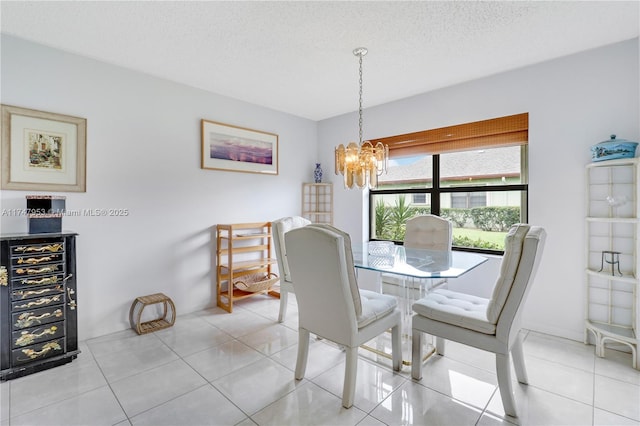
362 163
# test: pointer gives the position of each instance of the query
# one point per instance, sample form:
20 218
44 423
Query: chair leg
350 373
396 348
518 362
503 369
416 354
440 345
303 353
284 299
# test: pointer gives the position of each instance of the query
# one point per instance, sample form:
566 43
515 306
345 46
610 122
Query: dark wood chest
38 302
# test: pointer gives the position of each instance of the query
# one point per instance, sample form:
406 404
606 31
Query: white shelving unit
612 246
317 202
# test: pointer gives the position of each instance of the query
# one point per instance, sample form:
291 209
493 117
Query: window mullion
435 195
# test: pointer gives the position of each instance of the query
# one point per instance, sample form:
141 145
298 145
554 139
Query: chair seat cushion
463 310
374 306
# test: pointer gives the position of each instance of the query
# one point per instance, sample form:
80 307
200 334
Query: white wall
573 102
143 154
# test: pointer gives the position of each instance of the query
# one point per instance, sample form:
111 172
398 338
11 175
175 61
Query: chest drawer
30 293
35 260
38 302
30 271
38 351
37 281
30 336
36 317
41 248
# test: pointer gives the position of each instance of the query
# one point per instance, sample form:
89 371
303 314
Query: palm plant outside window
481 188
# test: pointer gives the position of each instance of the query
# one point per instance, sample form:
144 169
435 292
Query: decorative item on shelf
44 213
361 164
614 259
317 174
256 282
616 202
612 149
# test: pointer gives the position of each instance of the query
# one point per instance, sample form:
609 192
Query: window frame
424 142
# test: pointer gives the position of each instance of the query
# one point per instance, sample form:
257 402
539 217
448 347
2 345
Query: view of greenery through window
482 192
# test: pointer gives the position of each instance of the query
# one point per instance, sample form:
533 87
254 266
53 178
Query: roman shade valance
496 132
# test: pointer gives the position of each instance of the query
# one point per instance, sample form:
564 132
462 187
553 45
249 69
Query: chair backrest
279 228
428 232
524 245
320 269
351 270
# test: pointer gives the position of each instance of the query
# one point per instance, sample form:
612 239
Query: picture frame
238 149
42 151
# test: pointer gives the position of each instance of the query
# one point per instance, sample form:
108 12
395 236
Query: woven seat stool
166 320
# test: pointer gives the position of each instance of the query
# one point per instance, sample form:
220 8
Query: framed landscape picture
227 147
43 151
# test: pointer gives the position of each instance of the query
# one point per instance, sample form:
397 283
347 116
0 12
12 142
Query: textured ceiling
296 56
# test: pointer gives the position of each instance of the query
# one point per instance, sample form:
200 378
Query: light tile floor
214 368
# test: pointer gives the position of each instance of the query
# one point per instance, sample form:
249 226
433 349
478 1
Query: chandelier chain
360 104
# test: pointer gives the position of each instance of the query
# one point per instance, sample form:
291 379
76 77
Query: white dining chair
428 232
280 227
331 306
491 324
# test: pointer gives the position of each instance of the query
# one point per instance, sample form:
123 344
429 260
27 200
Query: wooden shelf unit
241 249
317 202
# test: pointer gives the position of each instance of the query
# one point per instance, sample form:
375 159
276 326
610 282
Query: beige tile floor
214 368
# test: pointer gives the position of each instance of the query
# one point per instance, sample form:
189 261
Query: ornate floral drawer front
37 317
29 271
30 336
38 351
40 302
30 293
43 248
38 280
33 260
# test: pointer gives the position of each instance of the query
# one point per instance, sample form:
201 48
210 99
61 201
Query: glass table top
416 263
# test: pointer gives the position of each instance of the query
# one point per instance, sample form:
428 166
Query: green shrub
479 243
458 216
494 218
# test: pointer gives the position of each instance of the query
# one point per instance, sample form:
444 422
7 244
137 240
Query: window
419 198
474 174
465 200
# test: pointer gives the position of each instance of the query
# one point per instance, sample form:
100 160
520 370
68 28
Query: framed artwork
43 151
227 147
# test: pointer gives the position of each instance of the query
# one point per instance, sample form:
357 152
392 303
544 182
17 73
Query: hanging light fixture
362 163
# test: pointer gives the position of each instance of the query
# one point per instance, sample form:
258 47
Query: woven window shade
512 130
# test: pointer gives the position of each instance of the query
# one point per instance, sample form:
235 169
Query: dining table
409 274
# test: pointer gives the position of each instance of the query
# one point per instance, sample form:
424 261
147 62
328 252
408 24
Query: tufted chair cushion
463 310
279 228
374 306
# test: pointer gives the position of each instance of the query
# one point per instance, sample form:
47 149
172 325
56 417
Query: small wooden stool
156 324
